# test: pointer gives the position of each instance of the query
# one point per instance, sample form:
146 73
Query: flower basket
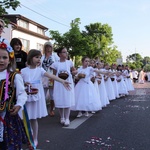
81 75
32 91
63 75
99 81
93 79
112 79
118 80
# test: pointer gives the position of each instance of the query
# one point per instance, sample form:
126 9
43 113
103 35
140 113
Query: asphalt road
123 125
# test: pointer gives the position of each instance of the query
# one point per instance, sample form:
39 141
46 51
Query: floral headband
8 48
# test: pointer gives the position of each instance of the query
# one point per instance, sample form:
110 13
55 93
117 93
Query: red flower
3 45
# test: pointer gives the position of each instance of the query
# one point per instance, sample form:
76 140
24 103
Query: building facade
29 32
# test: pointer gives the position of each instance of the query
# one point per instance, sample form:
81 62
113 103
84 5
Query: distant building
29 32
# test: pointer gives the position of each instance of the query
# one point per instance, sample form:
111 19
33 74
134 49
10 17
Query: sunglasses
1 26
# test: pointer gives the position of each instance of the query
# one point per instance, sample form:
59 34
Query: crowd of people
19 74
86 89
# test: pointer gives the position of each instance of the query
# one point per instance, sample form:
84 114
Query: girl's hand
66 84
15 110
95 70
27 83
74 72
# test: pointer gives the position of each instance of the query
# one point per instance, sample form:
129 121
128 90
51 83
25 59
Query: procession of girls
86 90
14 96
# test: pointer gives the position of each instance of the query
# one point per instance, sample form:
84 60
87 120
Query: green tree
95 41
147 68
146 60
98 37
135 59
6 4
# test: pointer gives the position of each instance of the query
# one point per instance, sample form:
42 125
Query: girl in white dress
86 97
108 83
94 79
102 88
128 79
121 83
114 81
32 76
63 98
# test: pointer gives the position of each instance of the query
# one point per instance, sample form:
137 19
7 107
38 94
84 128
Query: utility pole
135 54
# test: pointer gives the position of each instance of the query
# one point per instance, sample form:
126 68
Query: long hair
15 41
32 53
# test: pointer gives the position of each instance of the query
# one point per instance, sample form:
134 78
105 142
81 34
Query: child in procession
12 98
32 76
65 99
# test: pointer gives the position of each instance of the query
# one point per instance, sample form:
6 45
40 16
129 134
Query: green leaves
95 41
6 4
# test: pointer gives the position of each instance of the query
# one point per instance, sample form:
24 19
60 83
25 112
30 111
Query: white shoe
67 122
35 143
79 115
62 120
86 114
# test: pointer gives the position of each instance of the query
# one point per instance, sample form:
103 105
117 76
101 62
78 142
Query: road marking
77 122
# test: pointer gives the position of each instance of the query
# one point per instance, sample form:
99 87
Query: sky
129 19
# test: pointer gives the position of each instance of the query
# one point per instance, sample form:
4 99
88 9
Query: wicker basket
81 75
118 80
32 91
112 79
99 81
63 75
93 79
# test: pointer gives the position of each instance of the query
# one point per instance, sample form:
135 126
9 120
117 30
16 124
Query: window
40 47
23 24
25 45
40 31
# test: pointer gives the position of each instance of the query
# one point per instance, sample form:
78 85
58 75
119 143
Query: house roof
14 17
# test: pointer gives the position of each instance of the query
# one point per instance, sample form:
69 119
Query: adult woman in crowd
47 59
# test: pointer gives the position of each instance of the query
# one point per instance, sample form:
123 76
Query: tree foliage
95 41
6 4
136 60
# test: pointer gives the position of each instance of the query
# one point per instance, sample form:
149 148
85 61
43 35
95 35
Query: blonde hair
47 44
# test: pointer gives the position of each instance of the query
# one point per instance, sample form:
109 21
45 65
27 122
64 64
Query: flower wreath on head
8 48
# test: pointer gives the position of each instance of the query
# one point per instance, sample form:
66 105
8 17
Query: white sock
34 125
67 113
61 112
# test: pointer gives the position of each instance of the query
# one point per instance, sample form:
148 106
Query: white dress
122 86
128 81
86 96
115 85
110 89
103 92
63 98
96 86
37 108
